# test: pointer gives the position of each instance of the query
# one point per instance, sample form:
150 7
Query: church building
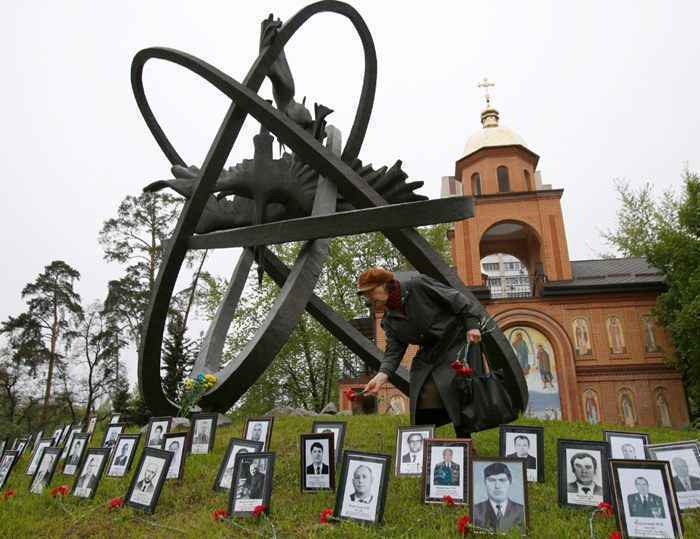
582 330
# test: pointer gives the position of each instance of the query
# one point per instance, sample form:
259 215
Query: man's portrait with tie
447 472
409 449
684 459
683 480
499 494
582 472
627 445
644 503
317 461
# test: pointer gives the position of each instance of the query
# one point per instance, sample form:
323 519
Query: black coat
437 318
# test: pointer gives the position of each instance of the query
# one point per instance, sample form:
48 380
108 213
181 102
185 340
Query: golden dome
491 134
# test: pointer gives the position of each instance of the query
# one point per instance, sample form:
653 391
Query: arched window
503 181
528 183
663 413
627 413
590 407
476 184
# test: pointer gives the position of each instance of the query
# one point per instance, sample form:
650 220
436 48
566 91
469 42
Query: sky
600 90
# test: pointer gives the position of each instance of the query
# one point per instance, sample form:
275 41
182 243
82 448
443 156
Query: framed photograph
626 445
646 503
7 462
684 458
123 454
498 494
69 441
147 483
259 429
37 438
409 448
235 445
3 445
362 488
252 483
112 433
91 425
527 443
76 451
176 443
446 470
583 473
114 418
36 455
45 470
20 445
64 434
203 433
338 430
57 436
157 427
317 462
90 473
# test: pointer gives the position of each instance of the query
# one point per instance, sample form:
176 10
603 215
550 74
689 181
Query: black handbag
484 400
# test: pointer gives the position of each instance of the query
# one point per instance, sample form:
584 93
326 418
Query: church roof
493 136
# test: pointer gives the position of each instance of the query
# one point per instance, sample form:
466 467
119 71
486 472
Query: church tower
514 213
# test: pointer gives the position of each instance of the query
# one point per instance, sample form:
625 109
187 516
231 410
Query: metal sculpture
316 192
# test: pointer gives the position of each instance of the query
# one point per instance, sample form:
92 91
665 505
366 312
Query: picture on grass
684 458
36 456
90 473
112 434
337 428
224 477
626 445
362 487
252 483
123 455
75 453
157 428
45 470
176 443
259 429
409 448
317 462
7 462
147 483
499 494
446 465
203 433
527 443
583 472
69 441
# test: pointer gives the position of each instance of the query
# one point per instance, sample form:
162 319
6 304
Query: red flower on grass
463 524
606 509
615 535
219 515
325 516
259 510
449 500
116 503
62 490
9 494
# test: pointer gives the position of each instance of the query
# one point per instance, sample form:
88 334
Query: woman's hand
473 335
375 383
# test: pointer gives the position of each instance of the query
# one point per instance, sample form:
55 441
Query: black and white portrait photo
45 469
224 477
337 428
157 428
499 494
252 483
203 433
69 442
57 436
409 448
123 454
644 496
176 443
147 482
446 470
36 456
75 453
582 472
527 443
259 429
362 489
112 433
626 445
90 473
91 425
684 458
7 462
317 462
114 418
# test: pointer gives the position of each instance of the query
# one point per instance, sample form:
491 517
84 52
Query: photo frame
8 459
112 433
408 457
252 483
362 488
157 427
497 482
317 461
583 479
74 430
64 434
76 451
446 465
176 443
259 429
526 442
90 474
45 470
92 423
203 433
37 438
123 454
646 502
57 436
3 445
338 429
36 455
147 483
114 418
20 445
684 460
626 445
224 476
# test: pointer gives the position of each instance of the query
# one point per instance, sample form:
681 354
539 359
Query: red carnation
220 514
259 510
351 395
463 524
325 516
615 535
9 494
456 365
62 490
465 371
449 500
606 509
116 503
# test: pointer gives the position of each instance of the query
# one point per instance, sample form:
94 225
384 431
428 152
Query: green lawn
185 507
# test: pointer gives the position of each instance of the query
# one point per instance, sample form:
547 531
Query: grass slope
185 507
